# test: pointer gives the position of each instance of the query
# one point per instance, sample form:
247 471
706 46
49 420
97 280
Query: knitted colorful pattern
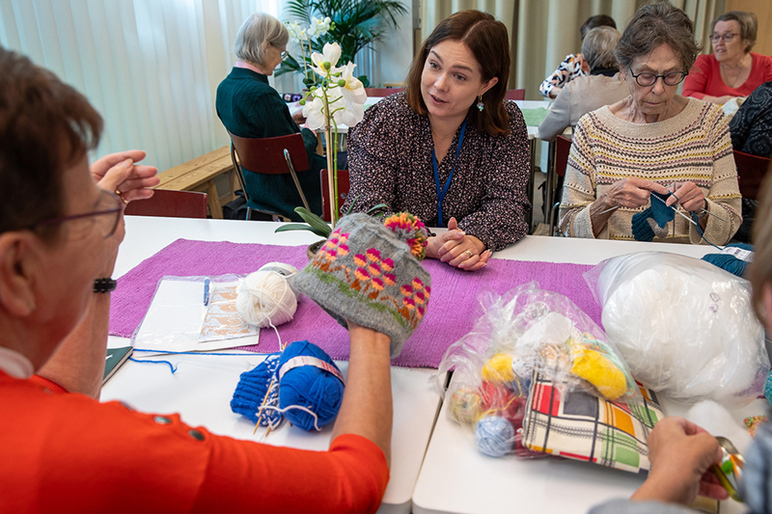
367 274
692 146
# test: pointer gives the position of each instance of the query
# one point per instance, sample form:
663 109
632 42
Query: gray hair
654 25
747 22
255 34
598 47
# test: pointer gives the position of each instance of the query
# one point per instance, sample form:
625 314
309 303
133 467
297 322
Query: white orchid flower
320 27
331 54
313 111
297 33
353 91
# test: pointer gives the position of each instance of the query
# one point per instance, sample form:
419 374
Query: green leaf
315 221
299 226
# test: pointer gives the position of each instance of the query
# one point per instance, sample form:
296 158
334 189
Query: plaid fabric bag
585 427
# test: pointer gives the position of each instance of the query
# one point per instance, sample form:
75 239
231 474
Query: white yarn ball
266 298
283 269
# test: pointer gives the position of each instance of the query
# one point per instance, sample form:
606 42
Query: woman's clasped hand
458 249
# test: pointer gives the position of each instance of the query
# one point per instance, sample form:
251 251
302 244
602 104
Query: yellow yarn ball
499 369
598 370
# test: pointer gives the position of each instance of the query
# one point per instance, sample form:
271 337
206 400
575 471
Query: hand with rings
118 172
458 249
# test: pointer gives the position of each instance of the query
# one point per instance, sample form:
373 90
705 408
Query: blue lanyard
441 194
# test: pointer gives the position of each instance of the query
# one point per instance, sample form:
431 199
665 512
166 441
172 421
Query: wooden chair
751 170
343 187
169 203
269 155
374 92
515 94
560 163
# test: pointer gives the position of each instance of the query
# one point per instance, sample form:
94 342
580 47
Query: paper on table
178 320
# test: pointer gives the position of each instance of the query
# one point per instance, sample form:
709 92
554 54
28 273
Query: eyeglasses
647 79
107 215
714 38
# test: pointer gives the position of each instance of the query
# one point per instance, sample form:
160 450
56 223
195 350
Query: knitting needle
262 407
687 218
610 209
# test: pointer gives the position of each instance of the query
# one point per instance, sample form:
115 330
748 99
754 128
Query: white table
456 478
201 390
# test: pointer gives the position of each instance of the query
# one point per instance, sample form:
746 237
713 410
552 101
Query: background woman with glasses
732 69
654 142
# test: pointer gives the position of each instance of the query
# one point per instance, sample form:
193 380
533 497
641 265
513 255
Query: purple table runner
451 314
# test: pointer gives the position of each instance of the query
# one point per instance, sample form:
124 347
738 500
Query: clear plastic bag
685 327
527 329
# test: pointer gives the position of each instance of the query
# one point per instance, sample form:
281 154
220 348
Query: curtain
150 67
543 32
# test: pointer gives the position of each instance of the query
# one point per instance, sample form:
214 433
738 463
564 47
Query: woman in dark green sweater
249 107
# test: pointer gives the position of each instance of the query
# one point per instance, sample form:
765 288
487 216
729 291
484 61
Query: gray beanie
371 275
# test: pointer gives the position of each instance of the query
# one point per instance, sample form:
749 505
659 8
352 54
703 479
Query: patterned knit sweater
692 146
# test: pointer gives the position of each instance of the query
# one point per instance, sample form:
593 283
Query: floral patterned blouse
390 162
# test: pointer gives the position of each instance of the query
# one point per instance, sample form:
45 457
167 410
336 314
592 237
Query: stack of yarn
301 384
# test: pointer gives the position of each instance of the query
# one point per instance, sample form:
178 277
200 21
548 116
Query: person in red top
62 450
732 70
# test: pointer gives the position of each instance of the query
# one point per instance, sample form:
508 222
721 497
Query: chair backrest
751 170
562 149
382 91
266 154
172 204
343 187
515 94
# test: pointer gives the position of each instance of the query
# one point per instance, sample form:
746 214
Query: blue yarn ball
729 262
251 390
495 436
309 386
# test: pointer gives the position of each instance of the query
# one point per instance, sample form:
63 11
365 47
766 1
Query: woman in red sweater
62 450
732 69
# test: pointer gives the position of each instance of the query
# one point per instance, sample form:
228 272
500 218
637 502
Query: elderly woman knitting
656 165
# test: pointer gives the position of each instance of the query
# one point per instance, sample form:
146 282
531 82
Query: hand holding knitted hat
370 273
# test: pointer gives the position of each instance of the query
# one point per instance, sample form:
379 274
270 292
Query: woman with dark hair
654 146
249 107
449 149
732 69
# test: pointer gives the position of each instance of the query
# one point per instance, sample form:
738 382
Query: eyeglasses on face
107 215
647 79
728 37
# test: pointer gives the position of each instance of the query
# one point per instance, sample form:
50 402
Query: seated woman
62 449
601 87
449 148
732 69
751 126
654 141
681 453
249 107
574 65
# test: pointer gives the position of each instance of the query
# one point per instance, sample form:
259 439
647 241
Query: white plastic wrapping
685 327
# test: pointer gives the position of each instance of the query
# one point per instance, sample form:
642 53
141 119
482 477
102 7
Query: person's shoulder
705 61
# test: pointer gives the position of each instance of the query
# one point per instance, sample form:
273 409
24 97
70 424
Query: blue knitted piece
251 390
657 211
